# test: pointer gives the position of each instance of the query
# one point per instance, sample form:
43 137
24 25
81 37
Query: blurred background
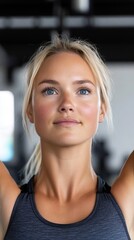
109 25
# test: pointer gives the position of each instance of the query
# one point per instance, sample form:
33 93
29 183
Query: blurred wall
120 139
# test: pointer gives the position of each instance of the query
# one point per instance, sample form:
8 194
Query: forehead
64 65
70 58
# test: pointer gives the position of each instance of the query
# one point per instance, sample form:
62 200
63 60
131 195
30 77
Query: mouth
67 122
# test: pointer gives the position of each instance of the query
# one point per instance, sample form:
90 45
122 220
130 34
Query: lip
67 122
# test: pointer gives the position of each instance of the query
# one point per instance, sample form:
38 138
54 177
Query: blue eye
49 91
84 91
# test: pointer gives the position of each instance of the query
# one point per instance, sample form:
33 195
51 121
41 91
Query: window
6 126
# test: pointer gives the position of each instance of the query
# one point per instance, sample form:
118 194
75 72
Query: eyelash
44 91
86 90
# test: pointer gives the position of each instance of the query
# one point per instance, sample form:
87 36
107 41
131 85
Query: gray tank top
106 221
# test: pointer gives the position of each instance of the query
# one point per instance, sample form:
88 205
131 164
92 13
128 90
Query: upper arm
1 234
123 191
8 186
8 194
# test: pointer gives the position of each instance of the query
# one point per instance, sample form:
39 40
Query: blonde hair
90 54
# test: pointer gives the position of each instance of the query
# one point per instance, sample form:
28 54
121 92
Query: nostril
63 109
66 109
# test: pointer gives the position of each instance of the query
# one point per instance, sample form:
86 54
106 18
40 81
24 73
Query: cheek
90 118
41 113
91 112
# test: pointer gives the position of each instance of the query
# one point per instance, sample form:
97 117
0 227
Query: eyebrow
54 82
49 81
83 82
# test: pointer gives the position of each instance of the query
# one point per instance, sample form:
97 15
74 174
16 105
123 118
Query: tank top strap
28 187
102 186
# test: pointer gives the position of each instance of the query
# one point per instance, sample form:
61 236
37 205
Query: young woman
63 198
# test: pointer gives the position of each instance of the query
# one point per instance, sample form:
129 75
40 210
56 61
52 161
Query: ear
30 113
102 113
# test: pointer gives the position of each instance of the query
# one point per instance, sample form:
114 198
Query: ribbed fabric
106 221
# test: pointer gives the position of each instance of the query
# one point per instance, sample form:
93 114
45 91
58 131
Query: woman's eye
49 91
84 91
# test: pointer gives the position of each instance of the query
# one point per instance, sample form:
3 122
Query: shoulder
123 191
9 191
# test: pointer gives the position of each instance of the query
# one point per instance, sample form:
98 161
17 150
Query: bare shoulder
9 191
123 191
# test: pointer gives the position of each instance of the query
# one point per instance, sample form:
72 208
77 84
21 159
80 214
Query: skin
66 110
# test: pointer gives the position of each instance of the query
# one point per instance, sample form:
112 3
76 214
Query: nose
66 104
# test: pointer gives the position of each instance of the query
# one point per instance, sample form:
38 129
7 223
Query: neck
63 170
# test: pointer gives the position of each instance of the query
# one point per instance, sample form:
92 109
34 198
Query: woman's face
66 106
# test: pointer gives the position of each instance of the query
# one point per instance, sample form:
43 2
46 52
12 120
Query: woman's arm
123 191
8 194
